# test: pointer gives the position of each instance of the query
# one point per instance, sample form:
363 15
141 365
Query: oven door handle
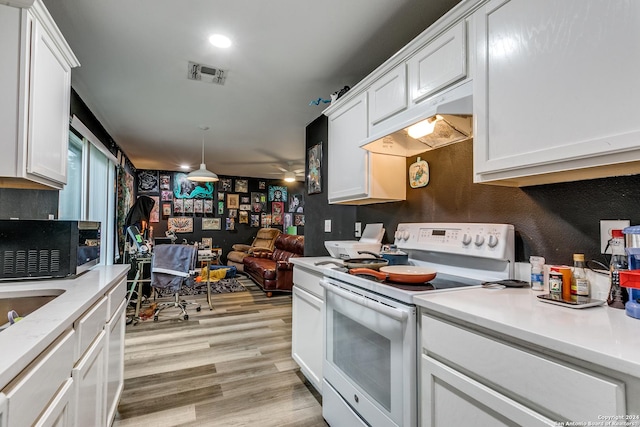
395 314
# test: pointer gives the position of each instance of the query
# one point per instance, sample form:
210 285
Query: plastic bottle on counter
618 295
537 280
579 281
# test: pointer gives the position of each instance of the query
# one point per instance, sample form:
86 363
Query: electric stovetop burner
441 281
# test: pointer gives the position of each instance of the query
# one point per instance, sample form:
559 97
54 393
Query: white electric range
370 331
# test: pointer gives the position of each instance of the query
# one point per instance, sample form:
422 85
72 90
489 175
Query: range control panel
473 239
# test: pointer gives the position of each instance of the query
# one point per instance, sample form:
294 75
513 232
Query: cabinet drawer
30 392
439 64
115 297
526 377
308 281
90 325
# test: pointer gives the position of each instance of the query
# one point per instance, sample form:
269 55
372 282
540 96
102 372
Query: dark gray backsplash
28 204
553 220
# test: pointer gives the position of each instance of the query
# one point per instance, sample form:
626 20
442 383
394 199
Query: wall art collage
228 202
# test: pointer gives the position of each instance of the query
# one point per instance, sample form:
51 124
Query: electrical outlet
606 225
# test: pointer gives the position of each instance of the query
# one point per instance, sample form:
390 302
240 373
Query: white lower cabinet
89 375
60 412
78 379
115 360
469 377
307 345
29 394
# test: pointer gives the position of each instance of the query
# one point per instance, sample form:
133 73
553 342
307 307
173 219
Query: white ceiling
285 53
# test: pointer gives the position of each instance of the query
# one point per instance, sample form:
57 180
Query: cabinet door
29 394
115 360
3 410
60 411
387 96
48 133
439 64
89 375
348 165
449 398
556 88
307 346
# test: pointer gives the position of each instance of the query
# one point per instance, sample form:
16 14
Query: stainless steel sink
24 302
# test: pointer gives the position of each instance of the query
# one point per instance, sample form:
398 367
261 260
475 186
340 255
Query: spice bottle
537 281
618 295
579 281
555 281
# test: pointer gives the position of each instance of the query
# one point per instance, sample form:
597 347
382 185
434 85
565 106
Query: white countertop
601 335
26 339
309 263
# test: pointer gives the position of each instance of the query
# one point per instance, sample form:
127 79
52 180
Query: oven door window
364 356
370 354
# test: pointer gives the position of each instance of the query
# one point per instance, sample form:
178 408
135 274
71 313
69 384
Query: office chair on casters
170 267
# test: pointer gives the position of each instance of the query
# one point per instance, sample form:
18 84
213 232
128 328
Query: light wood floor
228 367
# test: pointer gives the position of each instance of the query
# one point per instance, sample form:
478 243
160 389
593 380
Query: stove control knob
479 240
466 240
405 235
493 241
397 234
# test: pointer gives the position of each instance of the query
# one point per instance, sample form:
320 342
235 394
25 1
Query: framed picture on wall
166 210
208 206
314 179
211 224
148 182
242 185
233 201
180 224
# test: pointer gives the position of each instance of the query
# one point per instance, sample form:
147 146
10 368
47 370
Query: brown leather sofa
264 240
272 271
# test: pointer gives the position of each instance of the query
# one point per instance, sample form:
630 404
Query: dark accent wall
553 220
317 210
28 204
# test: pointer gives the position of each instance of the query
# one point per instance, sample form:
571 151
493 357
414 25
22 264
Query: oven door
370 355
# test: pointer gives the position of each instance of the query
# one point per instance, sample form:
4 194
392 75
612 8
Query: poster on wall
165 181
287 220
166 195
230 224
154 215
211 224
314 179
148 182
233 201
185 189
188 206
242 185
178 206
265 220
258 202
225 185
198 206
243 217
296 203
298 219
166 210
277 193
220 208
277 210
255 220
180 224
207 206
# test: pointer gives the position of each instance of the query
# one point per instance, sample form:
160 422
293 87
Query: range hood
452 113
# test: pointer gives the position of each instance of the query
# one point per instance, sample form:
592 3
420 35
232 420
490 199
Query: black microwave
47 248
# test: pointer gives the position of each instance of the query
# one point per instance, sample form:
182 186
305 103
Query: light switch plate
327 226
358 229
606 225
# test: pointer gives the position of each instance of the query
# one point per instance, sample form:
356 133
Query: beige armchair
264 241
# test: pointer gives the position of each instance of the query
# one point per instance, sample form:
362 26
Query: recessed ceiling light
218 40
185 167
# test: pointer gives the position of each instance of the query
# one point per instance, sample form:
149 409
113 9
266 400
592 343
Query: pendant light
202 174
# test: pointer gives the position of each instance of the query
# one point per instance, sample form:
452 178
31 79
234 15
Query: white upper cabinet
34 116
556 91
439 64
356 176
387 96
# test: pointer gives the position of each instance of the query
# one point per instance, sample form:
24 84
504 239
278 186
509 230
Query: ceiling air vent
206 73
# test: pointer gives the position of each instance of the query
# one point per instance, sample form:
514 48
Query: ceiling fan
290 173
